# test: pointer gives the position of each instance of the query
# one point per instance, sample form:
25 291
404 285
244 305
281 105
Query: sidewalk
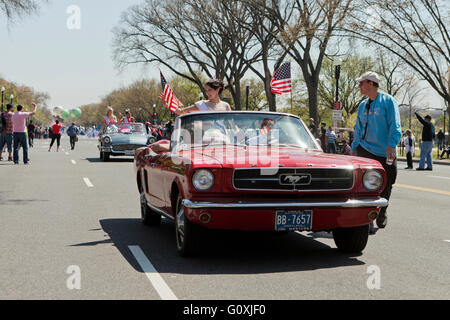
445 162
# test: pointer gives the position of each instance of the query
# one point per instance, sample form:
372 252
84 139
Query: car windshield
245 129
125 128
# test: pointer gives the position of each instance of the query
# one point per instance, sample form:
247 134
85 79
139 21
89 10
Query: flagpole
292 88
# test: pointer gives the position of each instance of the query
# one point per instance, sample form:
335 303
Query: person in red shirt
56 136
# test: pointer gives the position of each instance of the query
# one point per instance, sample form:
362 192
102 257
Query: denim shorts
6 138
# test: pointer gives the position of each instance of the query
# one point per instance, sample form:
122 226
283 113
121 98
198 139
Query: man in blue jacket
378 132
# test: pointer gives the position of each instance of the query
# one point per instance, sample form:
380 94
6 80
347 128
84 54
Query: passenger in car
110 117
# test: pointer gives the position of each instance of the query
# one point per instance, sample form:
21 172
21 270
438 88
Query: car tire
148 216
101 155
351 240
187 234
106 156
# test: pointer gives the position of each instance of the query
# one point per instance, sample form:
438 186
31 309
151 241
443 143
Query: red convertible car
256 171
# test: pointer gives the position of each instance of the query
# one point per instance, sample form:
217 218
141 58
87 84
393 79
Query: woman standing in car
214 89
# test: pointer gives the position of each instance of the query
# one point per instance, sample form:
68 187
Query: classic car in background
122 139
256 171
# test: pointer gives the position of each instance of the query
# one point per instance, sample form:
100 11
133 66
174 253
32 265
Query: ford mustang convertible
255 171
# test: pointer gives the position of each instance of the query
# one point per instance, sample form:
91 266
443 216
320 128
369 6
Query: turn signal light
373 215
205 217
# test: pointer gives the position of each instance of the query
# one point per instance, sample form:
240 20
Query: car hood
239 157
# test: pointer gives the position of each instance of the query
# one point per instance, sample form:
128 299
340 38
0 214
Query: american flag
172 102
281 80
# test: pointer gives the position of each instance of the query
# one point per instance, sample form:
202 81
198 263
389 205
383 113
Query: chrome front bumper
360 203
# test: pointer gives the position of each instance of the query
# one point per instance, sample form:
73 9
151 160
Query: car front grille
125 147
293 179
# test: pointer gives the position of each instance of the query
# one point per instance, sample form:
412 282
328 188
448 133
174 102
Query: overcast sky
73 65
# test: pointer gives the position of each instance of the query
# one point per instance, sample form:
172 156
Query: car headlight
107 140
372 180
203 180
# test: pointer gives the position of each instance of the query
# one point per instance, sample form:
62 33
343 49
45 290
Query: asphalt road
70 229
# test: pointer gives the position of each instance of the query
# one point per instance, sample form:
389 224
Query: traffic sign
337 105
337 115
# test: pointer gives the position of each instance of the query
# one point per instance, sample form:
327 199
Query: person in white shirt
410 145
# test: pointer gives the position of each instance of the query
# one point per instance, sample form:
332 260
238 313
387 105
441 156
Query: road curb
445 163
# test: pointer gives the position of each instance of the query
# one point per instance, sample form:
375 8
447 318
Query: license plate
129 152
293 220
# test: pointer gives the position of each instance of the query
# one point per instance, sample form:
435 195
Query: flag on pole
281 80
172 102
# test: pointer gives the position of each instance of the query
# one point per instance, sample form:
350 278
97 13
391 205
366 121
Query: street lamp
247 93
12 98
3 92
154 115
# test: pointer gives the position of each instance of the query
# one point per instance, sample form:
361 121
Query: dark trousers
72 142
409 159
20 139
56 137
31 139
391 172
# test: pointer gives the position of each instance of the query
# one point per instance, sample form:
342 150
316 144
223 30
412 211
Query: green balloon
65 115
75 113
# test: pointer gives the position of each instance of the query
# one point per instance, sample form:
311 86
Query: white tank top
202 106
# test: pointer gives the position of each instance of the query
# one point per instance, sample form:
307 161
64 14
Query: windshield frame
179 120
125 124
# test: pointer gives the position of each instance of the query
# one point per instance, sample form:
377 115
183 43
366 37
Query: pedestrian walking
72 132
6 136
20 135
312 127
331 140
426 148
323 136
440 139
31 132
56 135
377 133
410 146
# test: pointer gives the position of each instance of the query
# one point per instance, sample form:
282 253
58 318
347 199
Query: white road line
157 281
74 162
67 153
438 177
88 182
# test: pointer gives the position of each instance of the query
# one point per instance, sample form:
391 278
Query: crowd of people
17 134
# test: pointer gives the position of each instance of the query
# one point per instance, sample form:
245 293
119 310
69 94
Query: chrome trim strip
352 203
298 168
161 212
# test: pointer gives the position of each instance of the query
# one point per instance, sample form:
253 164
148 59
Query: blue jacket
383 125
72 131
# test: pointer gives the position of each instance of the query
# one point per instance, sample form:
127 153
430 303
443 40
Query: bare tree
17 8
415 31
306 34
349 95
190 38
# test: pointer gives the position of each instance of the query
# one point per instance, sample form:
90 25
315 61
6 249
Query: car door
153 179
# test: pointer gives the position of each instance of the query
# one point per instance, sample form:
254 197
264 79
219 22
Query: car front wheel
148 216
351 240
187 233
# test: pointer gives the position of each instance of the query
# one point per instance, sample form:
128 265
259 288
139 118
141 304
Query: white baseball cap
371 76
